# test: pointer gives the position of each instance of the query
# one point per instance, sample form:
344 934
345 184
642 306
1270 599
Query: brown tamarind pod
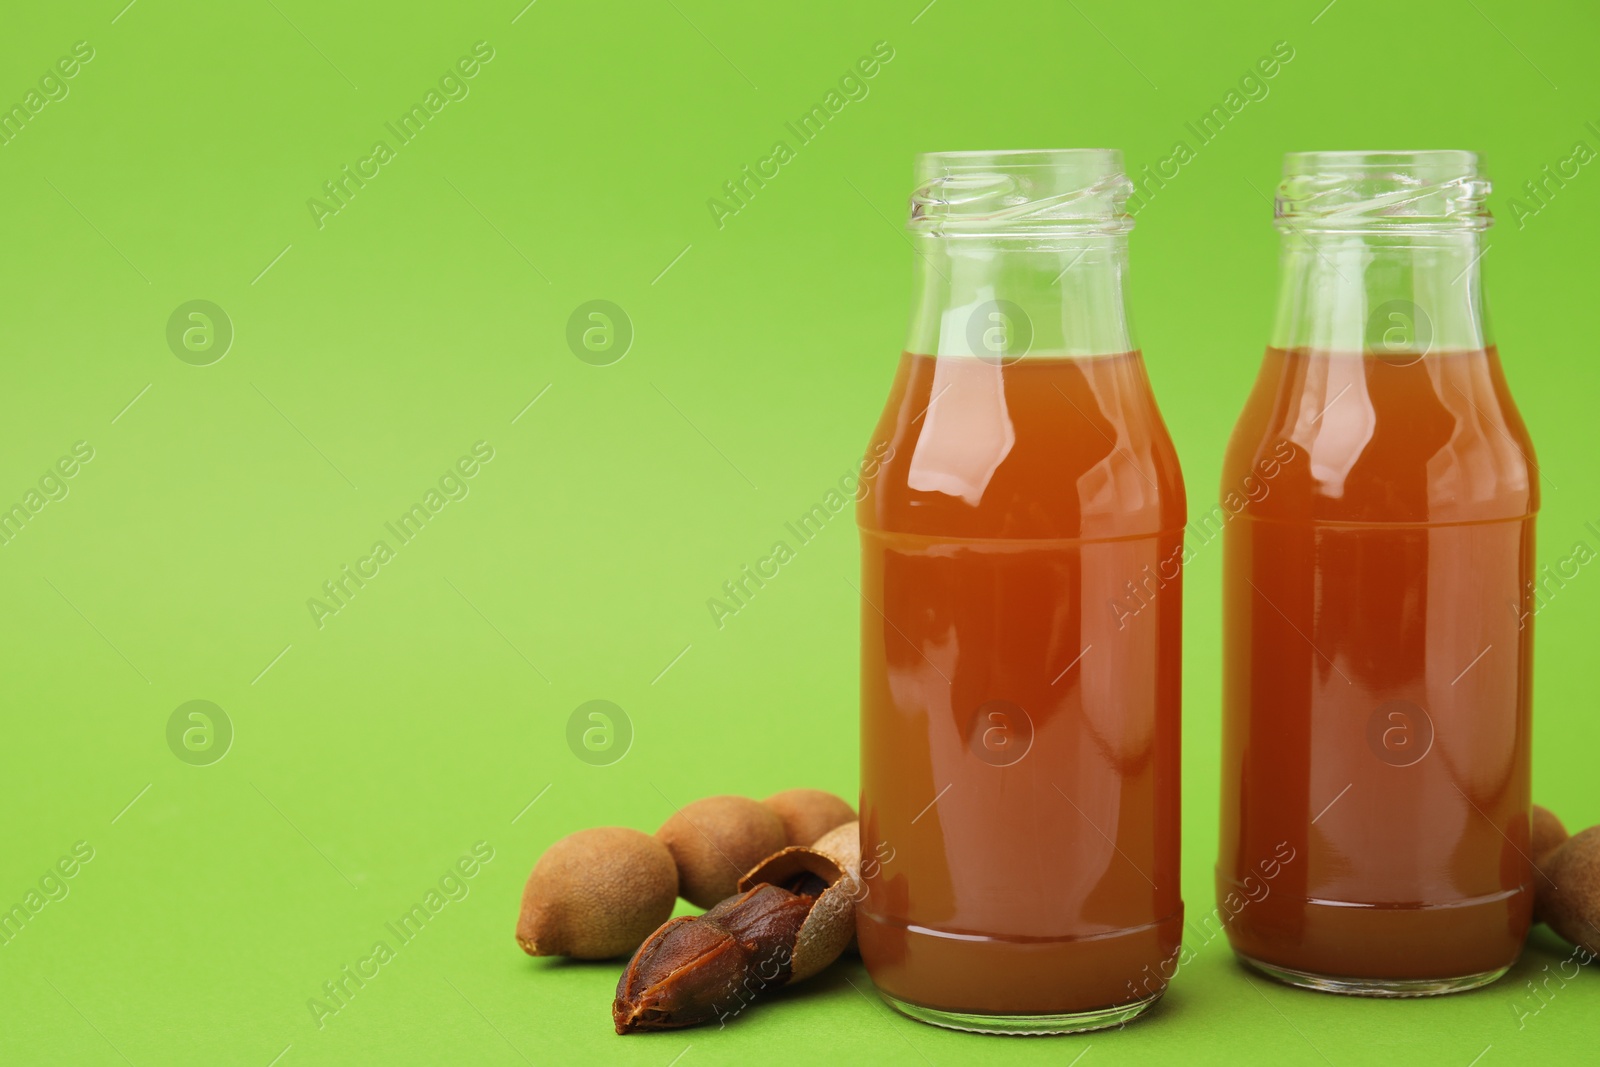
830 926
698 968
1548 833
807 814
1569 890
715 840
794 914
597 894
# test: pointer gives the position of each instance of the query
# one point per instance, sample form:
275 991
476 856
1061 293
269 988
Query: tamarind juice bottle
1022 548
1377 616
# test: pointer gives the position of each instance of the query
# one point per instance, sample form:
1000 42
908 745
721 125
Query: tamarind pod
695 969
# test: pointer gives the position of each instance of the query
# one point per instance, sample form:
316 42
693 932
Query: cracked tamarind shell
843 843
1548 833
807 814
715 840
830 927
596 894
1568 898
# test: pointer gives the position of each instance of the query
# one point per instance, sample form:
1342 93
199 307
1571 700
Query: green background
372 352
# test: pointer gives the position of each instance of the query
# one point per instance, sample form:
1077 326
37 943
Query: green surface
371 352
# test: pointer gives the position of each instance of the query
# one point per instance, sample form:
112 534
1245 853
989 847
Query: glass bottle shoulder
1393 438
1040 447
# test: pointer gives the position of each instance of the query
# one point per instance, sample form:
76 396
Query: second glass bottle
1378 624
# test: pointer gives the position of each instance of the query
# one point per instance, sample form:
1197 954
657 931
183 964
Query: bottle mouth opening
1372 191
1020 193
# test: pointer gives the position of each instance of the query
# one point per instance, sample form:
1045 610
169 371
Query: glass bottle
1022 546
1377 626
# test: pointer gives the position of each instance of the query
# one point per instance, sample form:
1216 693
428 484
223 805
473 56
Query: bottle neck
1010 298
1384 293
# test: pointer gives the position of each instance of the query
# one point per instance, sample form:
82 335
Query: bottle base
1024 1025
1372 987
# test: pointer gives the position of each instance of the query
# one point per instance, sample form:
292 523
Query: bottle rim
1440 159
1426 190
982 158
1024 192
